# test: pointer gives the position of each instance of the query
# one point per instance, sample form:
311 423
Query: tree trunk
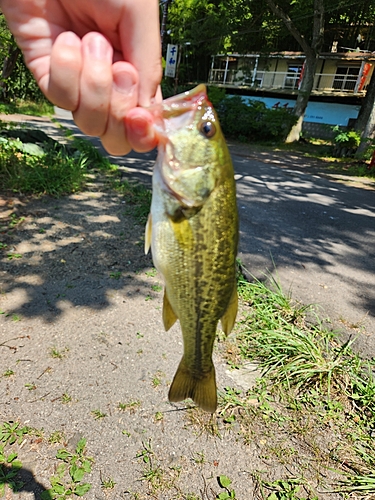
311 52
365 122
8 66
303 97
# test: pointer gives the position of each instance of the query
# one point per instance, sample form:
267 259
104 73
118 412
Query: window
346 78
292 77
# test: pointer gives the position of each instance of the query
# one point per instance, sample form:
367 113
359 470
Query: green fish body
193 234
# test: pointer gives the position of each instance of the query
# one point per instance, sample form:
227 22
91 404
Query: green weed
116 275
97 414
58 354
108 484
65 398
11 432
131 405
225 483
56 437
68 479
9 468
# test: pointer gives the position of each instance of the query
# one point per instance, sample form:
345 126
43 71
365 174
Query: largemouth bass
193 233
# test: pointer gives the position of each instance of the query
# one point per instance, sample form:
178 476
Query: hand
100 59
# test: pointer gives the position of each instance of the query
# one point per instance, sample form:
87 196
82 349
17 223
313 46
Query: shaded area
62 253
29 483
314 227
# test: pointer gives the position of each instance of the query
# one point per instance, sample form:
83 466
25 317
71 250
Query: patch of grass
108 484
158 479
312 411
157 379
8 373
65 398
58 354
42 108
97 414
290 350
54 172
56 437
152 273
130 406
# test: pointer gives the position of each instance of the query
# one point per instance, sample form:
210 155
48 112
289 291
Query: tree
365 123
311 51
16 81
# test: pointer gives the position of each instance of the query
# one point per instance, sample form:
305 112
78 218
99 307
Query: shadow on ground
68 252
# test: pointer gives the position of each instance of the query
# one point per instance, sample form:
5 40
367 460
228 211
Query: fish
192 230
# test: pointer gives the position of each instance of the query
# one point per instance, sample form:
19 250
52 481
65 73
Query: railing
274 80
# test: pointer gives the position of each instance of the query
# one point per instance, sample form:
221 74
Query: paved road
319 233
315 233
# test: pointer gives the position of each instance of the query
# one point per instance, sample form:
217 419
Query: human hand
100 59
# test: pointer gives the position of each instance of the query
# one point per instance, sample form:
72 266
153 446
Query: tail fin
201 390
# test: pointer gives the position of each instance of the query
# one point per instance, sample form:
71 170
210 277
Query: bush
253 121
345 142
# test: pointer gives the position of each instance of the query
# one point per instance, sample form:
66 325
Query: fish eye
207 129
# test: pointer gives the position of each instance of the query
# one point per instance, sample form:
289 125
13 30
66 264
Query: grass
42 108
314 391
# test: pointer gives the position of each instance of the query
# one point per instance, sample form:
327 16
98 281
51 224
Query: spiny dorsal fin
229 317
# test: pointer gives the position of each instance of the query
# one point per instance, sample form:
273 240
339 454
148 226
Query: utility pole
164 22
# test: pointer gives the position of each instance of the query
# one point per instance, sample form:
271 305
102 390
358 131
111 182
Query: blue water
328 113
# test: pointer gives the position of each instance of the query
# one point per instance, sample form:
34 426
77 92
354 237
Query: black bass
193 233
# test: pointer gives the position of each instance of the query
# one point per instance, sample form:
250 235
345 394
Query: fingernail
139 126
124 82
70 39
99 48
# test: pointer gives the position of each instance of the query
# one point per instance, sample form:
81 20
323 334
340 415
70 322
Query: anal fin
229 317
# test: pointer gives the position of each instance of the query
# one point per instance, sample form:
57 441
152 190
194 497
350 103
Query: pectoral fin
227 321
169 317
148 233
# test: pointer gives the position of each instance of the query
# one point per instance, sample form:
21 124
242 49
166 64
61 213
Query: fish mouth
181 107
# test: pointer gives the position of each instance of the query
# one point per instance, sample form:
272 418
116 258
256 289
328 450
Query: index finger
141 45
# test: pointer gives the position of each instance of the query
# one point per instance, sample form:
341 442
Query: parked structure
337 73
340 83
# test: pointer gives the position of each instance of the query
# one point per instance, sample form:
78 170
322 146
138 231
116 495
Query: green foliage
41 107
9 468
253 121
27 170
348 138
225 483
11 432
66 483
